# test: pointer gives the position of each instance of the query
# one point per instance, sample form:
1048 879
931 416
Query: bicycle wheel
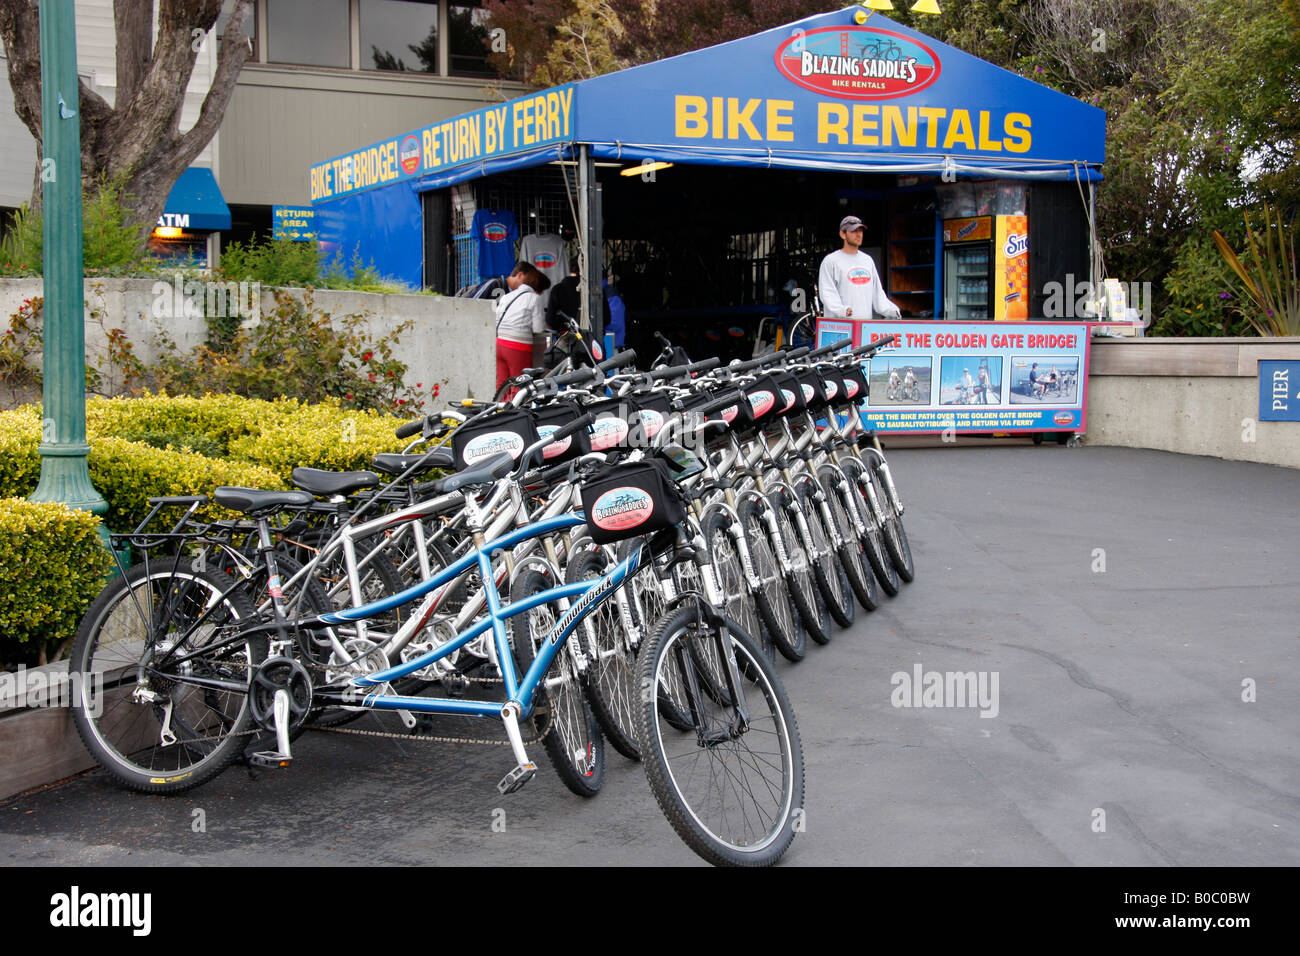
827 571
740 603
573 742
861 578
775 603
611 676
896 543
808 600
734 794
873 542
130 687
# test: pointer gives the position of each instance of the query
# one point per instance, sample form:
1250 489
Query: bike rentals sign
979 377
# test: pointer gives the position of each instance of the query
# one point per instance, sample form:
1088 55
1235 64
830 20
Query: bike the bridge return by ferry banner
977 377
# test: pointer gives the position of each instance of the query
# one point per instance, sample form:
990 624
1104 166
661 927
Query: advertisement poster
977 377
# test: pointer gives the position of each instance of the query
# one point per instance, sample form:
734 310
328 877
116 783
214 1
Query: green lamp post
64 473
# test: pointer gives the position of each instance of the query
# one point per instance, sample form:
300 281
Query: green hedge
52 564
218 419
50 569
318 436
126 473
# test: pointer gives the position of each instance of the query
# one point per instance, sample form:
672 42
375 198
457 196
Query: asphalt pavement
1136 612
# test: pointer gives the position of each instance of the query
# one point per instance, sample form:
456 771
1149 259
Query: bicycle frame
520 691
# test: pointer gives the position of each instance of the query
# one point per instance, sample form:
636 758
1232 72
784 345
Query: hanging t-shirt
495 234
545 252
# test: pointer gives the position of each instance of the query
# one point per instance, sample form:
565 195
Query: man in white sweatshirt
848 282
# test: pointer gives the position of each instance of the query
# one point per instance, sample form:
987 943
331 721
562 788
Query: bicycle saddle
321 482
252 501
391 463
480 474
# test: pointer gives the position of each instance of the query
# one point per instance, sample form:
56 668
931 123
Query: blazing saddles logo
857 63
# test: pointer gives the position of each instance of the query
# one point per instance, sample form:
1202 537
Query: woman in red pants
521 323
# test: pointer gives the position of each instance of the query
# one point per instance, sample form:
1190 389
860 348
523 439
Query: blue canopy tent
826 93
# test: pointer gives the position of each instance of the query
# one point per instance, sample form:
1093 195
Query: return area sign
972 377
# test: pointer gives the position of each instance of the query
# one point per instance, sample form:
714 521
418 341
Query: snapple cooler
1011 268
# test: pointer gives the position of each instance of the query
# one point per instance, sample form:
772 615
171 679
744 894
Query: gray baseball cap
849 223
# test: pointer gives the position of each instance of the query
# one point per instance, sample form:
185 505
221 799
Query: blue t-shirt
617 313
495 234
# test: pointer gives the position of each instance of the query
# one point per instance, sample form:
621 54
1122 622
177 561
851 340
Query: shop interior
714 256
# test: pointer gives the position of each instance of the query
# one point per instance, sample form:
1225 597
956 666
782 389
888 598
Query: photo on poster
970 380
1044 380
900 380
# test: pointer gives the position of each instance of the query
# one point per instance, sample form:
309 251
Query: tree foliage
137 141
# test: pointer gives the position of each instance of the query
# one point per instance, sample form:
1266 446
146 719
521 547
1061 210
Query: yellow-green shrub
218 418
52 564
128 473
20 464
318 436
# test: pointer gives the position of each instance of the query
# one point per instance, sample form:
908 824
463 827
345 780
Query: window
399 35
468 38
310 32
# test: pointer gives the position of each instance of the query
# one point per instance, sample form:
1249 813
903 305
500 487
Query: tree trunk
138 139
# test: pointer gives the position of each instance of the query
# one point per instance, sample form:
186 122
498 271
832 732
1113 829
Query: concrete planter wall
452 341
1194 396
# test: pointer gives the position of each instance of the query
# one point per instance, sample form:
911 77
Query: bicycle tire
740 602
573 743
896 543
862 580
760 767
808 600
610 680
109 658
827 570
775 601
873 542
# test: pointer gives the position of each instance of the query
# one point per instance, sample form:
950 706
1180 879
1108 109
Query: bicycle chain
427 738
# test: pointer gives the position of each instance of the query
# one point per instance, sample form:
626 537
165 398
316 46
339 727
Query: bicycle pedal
455 685
516 778
269 759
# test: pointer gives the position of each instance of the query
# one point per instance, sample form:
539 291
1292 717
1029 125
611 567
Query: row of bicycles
609 557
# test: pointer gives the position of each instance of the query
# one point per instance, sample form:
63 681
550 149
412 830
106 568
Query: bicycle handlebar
875 346
411 428
618 359
725 400
825 350
674 371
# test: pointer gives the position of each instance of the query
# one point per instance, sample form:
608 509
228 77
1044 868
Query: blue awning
195 203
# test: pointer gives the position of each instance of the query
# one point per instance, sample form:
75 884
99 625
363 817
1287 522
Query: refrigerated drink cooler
967 269
986 268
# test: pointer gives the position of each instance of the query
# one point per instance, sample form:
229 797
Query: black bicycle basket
615 418
814 389
630 500
549 419
789 388
508 432
855 383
